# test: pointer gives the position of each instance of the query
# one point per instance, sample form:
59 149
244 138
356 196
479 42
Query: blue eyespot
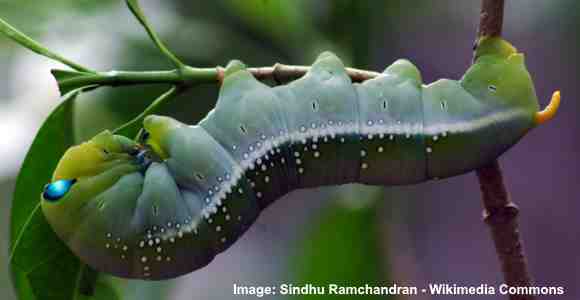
56 190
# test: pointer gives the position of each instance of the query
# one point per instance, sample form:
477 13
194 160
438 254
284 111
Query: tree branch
500 213
491 18
284 73
186 76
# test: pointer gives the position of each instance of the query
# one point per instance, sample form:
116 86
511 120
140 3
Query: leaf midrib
21 232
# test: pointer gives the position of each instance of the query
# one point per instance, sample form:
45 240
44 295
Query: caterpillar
167 203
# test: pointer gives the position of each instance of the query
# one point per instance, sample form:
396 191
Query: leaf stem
138 13
130 128
27 42
187 76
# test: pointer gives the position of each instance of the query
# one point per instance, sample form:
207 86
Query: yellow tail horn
550 111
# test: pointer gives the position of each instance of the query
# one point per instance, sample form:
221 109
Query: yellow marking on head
79 161
156 147
92 157
550 111
158 128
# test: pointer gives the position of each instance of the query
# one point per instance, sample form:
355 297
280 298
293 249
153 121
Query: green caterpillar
169 203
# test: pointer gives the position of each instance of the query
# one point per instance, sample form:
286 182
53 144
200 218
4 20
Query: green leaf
343 248
42 266
34 46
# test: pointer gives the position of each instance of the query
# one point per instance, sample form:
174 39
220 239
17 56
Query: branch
500 213
183 75
491 18
501 216
186 76
283 73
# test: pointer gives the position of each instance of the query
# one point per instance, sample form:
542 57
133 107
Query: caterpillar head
85 171
110 197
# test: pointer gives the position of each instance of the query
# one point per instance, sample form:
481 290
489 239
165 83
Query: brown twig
491 18
500 213
284 73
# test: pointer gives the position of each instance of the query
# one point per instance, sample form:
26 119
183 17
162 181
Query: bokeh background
411 235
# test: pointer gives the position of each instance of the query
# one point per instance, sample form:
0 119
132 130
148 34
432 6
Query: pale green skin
120 216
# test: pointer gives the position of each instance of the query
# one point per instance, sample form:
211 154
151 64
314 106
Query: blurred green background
415 235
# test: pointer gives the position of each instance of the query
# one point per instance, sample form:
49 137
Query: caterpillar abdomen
391 127
162 219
